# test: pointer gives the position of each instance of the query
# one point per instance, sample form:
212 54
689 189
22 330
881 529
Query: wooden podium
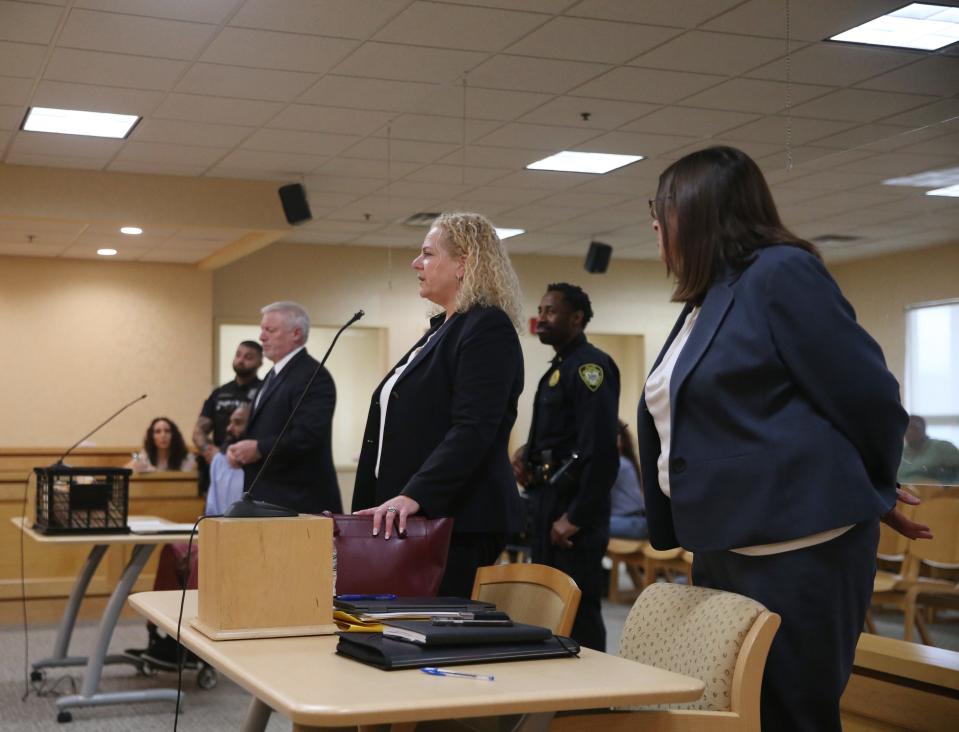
265 578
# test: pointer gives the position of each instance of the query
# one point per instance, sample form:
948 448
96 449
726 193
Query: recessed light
75 122
107 252
952 191
131 230
918 25
572 161
507 233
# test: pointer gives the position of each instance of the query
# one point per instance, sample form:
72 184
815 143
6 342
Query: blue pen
354 598
433 671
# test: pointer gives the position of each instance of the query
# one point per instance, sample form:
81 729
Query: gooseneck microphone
249 507
104 423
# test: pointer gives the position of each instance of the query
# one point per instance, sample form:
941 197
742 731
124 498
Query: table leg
257 716
88 695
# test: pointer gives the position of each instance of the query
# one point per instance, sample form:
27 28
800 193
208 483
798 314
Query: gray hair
294 315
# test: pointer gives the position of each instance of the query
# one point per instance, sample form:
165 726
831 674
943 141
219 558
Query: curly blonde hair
489 278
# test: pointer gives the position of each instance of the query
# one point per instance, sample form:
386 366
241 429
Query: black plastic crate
82 500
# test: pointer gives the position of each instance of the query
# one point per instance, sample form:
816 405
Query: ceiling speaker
295 207
597 258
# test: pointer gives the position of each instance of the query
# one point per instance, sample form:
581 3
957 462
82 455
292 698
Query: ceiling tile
318 184
646 85
43 231
860 135
533 74
408 63
893 164
534 215
859 105
178 132
777 129
311 118
270 50
753 95
279 162
208 11
711 53
810 20
346 18
580 200
636 143
686 14
408 151
28 23
31 250
161 233
165 255
536 137
689 121
353 91
112 69
367 168
496 194
56 161
840 64
537 6
268 171
217 110
604 114
163 153
947 146
312 143
232 81
14 91
493 157
415 189
548 180
134 35
10 117
929 114
575 39
456 173
936 75
92 98
79 146
93 238
457 26
432 128
21 59
481 103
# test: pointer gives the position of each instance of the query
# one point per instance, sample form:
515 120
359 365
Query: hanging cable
789 94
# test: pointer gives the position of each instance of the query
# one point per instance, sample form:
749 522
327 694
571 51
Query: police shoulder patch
592 375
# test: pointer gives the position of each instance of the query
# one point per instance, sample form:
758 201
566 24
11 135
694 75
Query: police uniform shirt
576 410
223 401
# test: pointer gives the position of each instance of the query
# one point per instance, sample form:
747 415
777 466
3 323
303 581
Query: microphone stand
59 463
249 507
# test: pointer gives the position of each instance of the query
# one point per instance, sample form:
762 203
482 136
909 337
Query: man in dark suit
295 470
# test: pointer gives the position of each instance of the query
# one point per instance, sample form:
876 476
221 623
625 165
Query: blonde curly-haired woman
436 437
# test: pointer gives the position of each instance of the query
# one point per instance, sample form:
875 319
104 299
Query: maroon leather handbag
411 565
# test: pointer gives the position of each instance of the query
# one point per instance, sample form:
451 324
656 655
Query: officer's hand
562 531
520 471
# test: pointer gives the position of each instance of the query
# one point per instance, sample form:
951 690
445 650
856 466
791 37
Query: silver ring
391 509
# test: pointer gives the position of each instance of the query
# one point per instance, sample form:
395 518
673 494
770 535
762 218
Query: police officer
571 459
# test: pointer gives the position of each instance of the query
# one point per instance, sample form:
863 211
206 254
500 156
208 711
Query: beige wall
83 337
881 288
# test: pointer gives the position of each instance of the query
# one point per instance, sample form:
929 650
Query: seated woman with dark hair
163 449
627 518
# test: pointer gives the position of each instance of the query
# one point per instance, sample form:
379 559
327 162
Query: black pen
471 623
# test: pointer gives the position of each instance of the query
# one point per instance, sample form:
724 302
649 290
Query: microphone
249 507
59 462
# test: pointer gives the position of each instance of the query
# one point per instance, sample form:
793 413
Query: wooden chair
720 637
942 551
626 553
668 561
530 593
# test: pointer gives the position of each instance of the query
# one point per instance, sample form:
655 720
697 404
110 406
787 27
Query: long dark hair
626 448
715 211
178 451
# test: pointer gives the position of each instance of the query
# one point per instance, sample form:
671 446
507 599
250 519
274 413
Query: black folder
391 655
410 604
425 633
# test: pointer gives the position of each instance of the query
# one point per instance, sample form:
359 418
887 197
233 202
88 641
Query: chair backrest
718 637
942 516
530 593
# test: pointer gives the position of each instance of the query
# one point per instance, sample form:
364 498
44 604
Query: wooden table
305 680
89 692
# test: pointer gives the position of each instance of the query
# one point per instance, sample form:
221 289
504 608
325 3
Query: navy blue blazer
785 421
300 475
446 440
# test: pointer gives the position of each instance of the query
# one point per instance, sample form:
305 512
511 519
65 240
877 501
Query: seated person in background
925 460
627 518
163 449
226 482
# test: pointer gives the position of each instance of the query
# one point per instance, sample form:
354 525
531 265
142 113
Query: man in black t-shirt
210 430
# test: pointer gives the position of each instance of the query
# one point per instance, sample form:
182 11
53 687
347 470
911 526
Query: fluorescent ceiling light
947 191
106 252
927 179
507 233
919 25
74 122
571 161
131 230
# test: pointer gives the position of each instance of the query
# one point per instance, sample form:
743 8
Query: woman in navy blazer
441 448
782 429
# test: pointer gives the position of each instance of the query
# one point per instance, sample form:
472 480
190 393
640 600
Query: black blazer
300 475
445 442
785 420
